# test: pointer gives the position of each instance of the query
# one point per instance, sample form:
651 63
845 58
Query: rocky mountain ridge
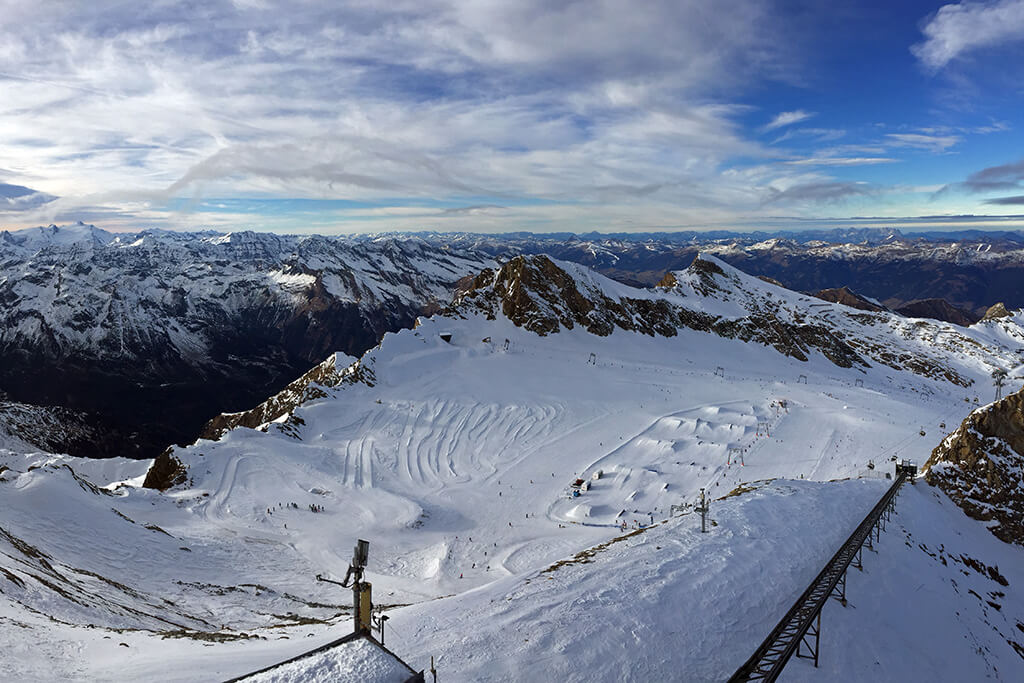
969 269
546 296
159 331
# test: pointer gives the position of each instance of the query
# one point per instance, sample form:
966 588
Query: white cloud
815 134
787 118
841 161
931 143
818 192
963 27
115 106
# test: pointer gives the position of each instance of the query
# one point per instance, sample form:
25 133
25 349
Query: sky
486 116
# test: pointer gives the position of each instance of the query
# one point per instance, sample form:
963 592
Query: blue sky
342 117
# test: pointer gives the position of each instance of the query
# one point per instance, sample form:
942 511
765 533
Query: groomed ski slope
456 463
467 441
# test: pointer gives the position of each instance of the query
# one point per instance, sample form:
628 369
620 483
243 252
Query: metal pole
817 639
841 589
703 513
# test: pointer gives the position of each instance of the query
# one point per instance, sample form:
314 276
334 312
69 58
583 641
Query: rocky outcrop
996 311
980 466
541 296
165 472
337 370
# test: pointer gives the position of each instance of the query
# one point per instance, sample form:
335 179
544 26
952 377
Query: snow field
456 465
664 604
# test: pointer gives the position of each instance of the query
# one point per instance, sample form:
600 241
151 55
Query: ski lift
942 425
871 464
922 431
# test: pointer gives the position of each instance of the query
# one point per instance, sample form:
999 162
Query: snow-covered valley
454 447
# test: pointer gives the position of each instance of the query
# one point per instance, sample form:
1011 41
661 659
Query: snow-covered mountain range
159 331
155 332
453 447
971 270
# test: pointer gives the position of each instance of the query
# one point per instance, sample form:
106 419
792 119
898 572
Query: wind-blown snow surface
455 460
358 660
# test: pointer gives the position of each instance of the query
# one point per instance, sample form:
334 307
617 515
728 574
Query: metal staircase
797 633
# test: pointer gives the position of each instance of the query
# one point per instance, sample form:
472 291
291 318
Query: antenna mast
362 604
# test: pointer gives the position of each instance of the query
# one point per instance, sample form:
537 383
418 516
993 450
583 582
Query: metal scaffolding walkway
800 628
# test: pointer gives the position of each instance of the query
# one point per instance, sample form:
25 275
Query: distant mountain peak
937 309
846 296
57 235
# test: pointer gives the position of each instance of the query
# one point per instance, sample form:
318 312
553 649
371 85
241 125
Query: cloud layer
480 114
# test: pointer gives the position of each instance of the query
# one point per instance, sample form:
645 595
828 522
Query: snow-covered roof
358 657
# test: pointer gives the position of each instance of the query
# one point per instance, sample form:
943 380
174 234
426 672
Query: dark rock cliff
980 467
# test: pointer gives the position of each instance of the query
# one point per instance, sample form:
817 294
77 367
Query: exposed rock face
538 295
543 296
997 311
165 472
770 280
26 428
337 370
847 297
937 309
980 466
